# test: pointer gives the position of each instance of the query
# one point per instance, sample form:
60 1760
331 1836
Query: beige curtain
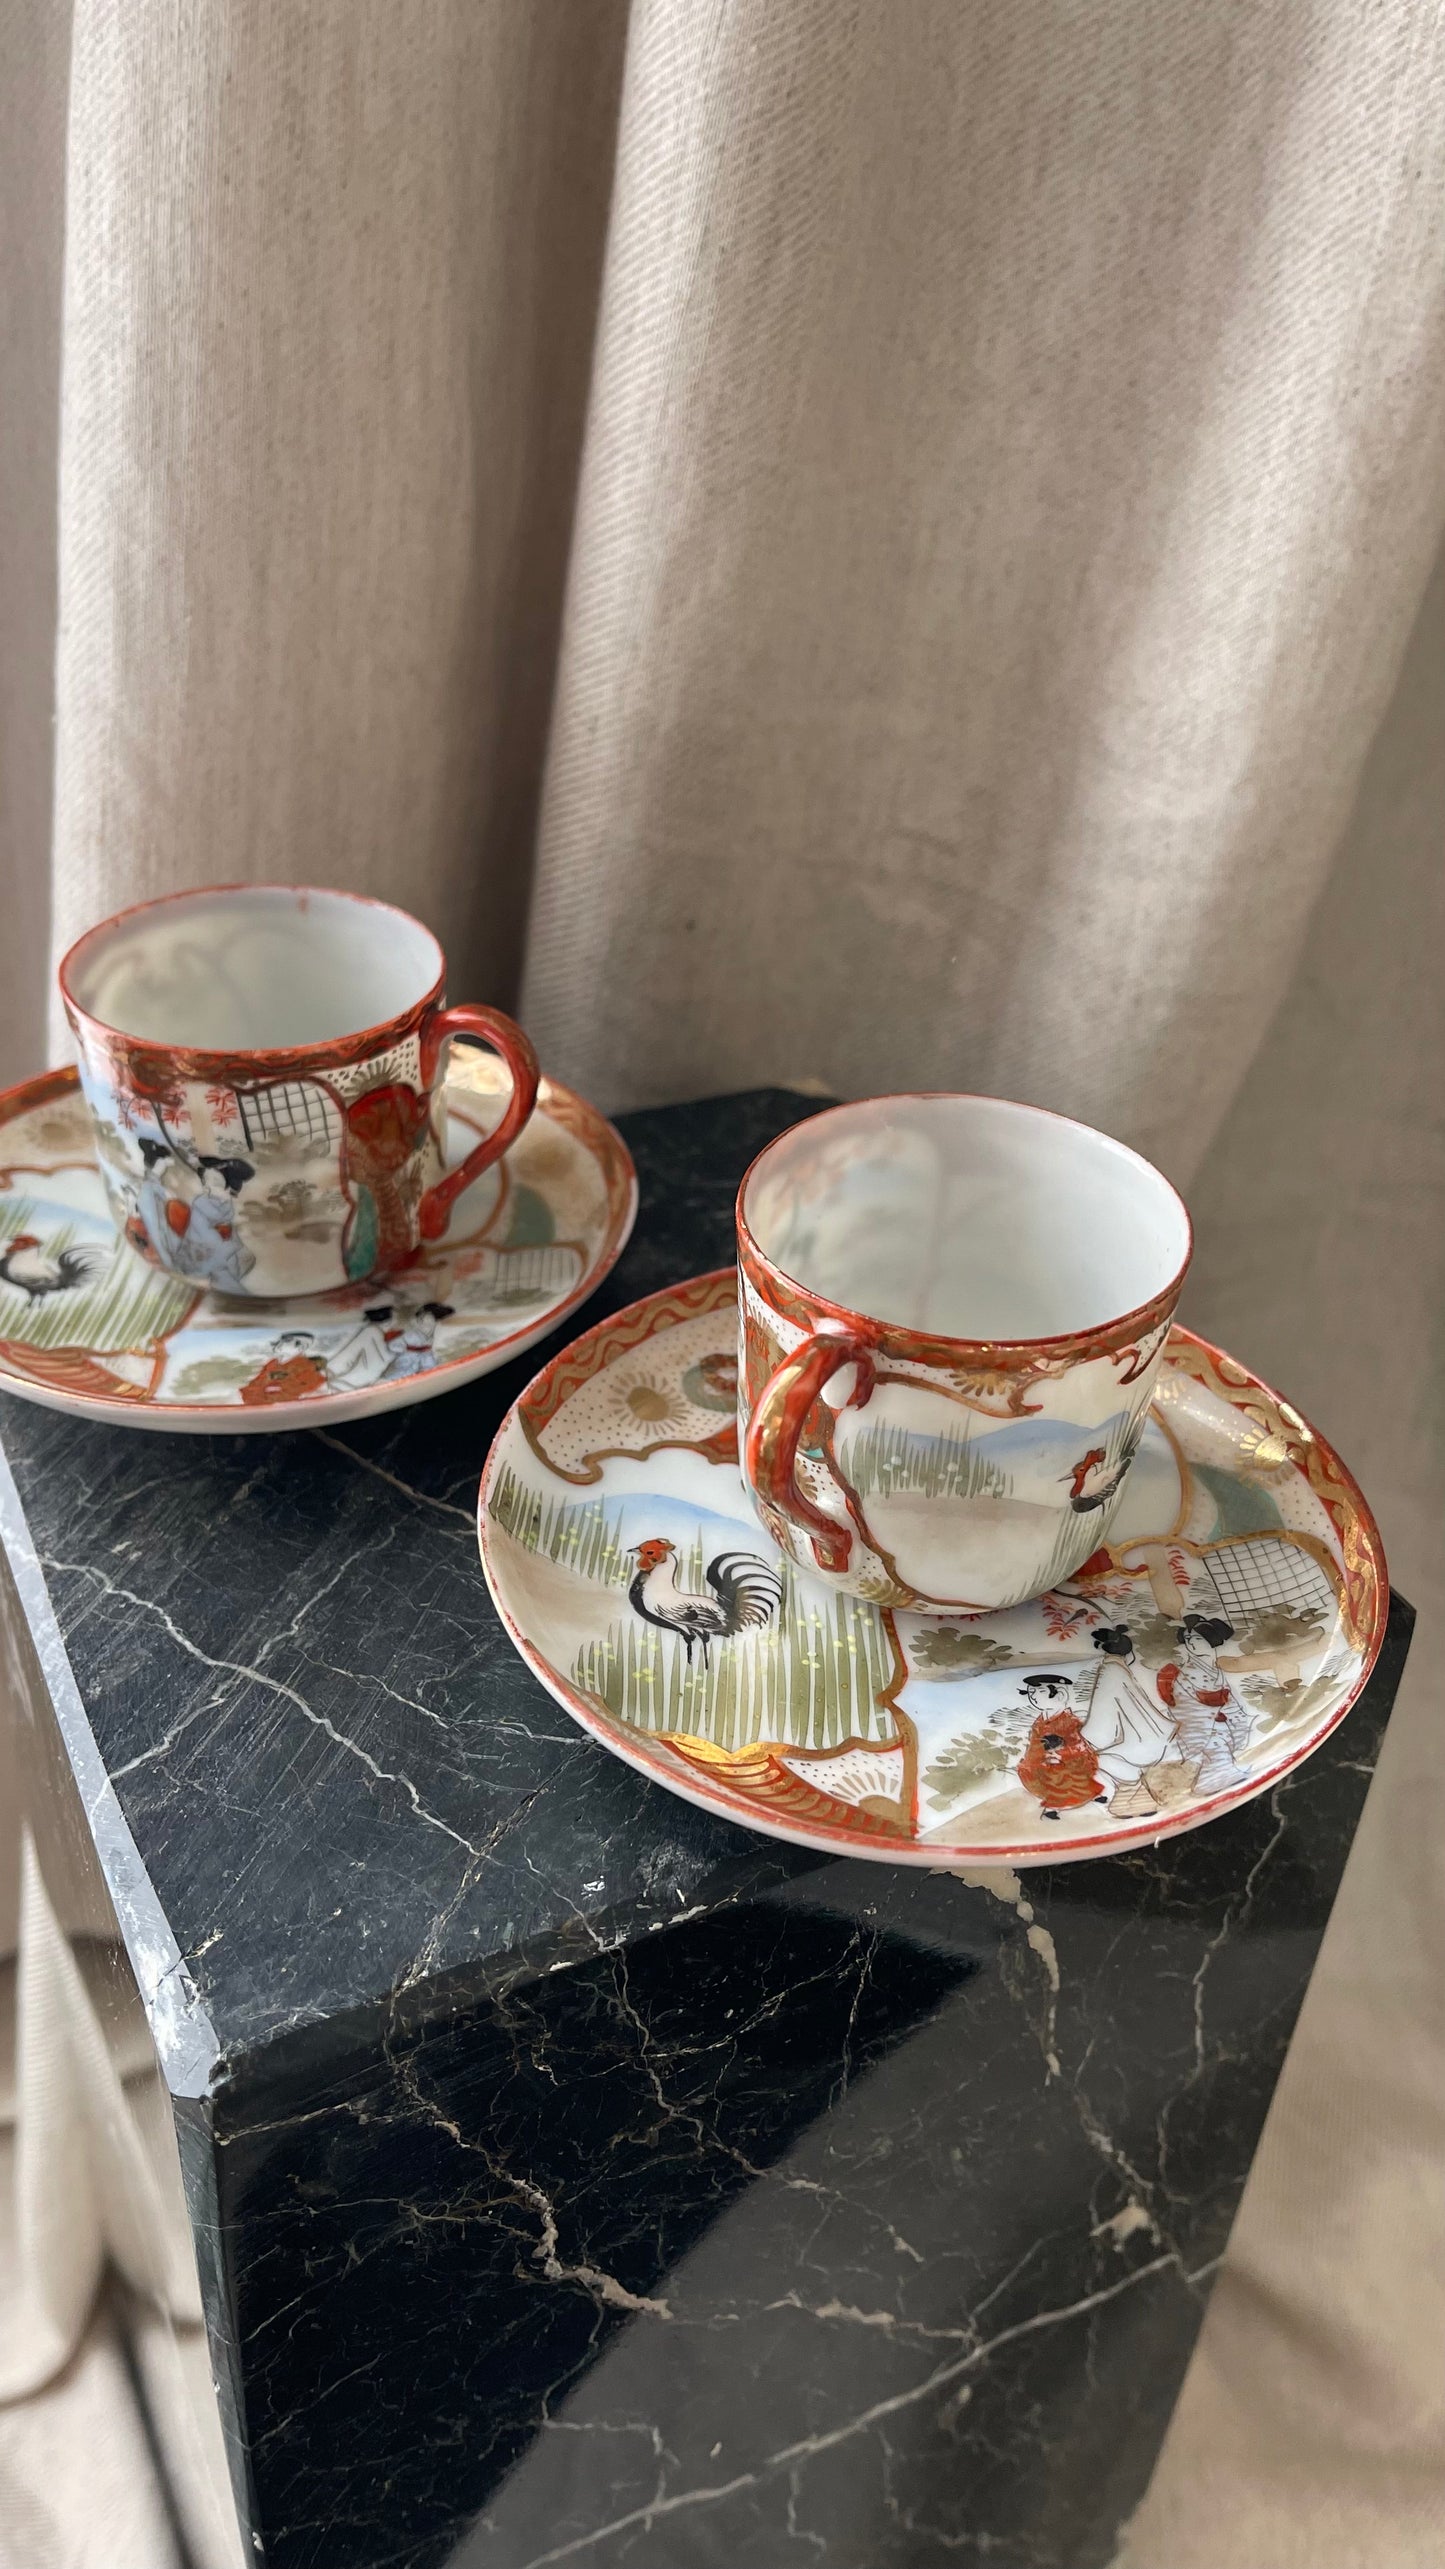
90 2197
862 540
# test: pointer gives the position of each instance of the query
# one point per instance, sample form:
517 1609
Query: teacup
953 1310
261 1064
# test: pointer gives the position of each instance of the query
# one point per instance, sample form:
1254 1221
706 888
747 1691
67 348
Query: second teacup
261 1064
953 1311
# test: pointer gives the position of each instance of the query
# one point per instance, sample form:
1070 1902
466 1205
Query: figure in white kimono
364 1357
415 1353
1126 1726
1213 1722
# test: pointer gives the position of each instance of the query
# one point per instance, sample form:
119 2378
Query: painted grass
812 1678
583 1538
129 1304
889 1461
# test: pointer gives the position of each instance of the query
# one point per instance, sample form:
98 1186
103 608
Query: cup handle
771 1447
503 1035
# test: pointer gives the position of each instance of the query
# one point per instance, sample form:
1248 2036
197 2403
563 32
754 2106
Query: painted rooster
39 1271
744 1591
1094 1480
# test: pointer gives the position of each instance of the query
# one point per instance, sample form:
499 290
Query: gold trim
600 1349
1363 1591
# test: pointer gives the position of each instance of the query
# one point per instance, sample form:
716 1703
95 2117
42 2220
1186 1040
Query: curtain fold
1011 473
103 2355
330 284
87 2188
1005 468
34 76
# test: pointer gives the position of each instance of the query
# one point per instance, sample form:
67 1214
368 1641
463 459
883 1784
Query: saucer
87 1325
625 1560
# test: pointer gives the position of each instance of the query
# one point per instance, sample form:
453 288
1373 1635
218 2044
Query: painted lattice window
531 1275
1255 1576
293 1111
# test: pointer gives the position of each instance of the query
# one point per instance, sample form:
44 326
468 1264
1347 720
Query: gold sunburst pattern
653 1402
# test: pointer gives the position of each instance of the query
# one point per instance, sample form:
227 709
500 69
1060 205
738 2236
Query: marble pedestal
573 2177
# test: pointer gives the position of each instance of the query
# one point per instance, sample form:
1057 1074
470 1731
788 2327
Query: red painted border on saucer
44 1090
932 1854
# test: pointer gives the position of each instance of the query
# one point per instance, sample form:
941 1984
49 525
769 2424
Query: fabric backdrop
861 543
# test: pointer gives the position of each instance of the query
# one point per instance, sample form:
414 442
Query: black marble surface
341 1777
578 2178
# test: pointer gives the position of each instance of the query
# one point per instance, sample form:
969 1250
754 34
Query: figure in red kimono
383 1126
1058 1763
161 1213
294 1370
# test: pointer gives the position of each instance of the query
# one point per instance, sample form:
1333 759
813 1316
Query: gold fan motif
1262 1448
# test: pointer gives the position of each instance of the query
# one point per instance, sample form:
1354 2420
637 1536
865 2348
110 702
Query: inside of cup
966 1217
255 968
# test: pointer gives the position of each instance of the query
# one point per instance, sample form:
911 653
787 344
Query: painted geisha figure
151 1226
210 1250
294 1370
415 1351
1212 1721
195 1236
1127 1727
391 1343
1058 1764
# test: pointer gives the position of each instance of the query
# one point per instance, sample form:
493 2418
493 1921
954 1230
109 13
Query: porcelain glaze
261 1063
88 1325
1216 1632
953 1315
562 2155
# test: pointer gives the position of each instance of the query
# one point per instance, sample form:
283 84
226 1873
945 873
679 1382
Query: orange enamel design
500 1034
1010 1364
66 1375
781 1786
780 1414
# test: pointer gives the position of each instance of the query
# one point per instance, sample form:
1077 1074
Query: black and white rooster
744 1592
1094 1480
24 1261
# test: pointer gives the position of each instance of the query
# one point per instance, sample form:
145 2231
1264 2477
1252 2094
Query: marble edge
180 2027
422 2002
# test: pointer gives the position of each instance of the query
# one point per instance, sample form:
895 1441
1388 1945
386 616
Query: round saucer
108 1336
866 1730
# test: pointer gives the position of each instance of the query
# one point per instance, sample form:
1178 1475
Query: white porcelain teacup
953 1311
262 1064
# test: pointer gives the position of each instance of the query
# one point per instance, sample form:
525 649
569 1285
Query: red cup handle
771 1447
502 1035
